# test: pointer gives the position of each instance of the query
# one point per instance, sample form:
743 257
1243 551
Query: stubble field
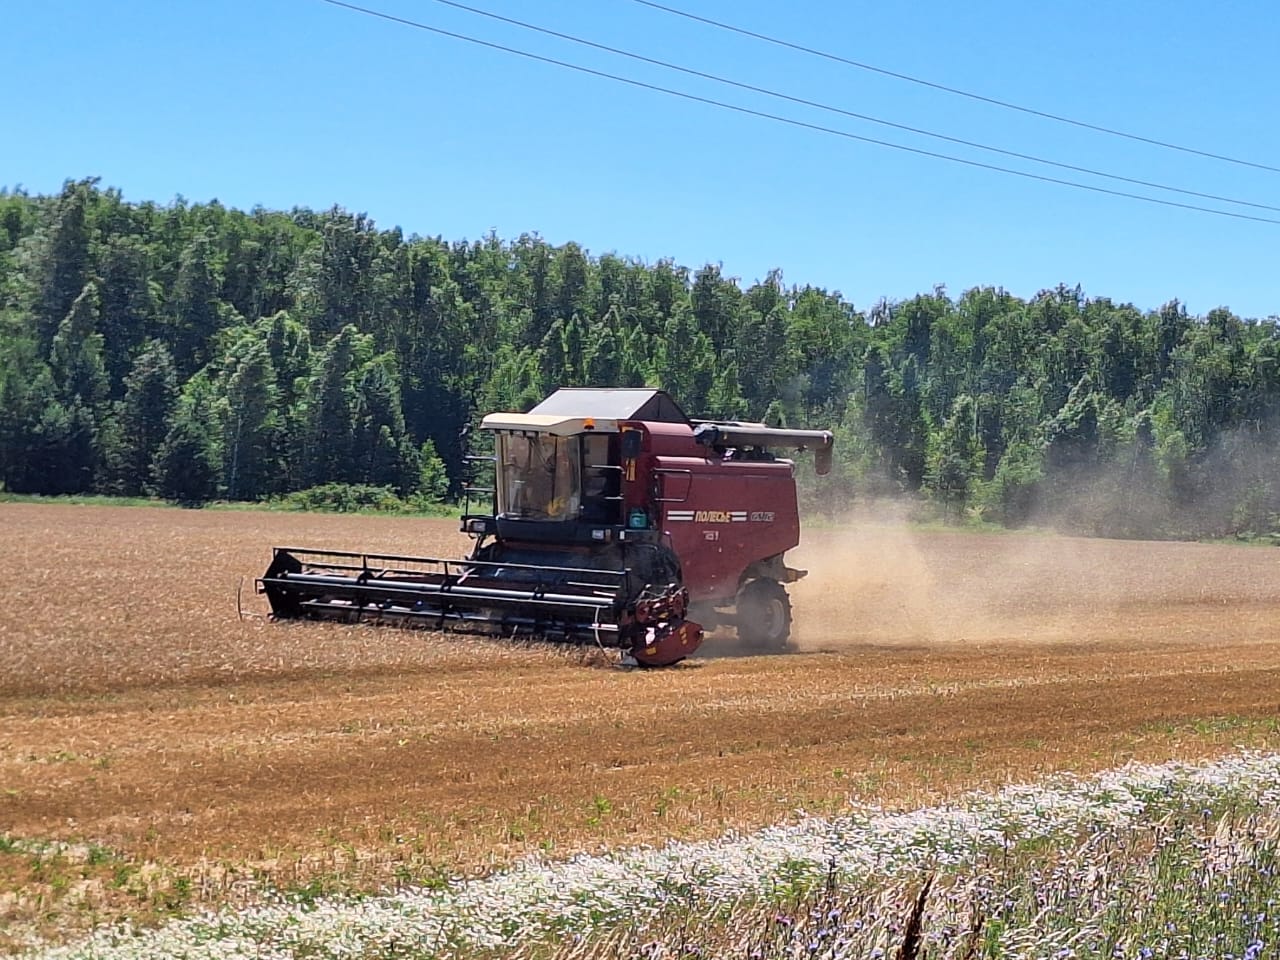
159 752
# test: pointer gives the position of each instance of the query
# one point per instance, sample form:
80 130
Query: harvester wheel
764 616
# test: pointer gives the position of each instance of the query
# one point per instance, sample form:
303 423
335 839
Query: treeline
192 351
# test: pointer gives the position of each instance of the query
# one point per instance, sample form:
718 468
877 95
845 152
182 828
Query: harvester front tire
764 616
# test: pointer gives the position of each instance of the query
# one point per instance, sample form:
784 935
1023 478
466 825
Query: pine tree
193 310
76 353
26 390
75 360
433 479
715 303
385 455
330 427
185 468
151 389
62 264
128 304
335 279
954 456
764 363
725 401
249 423
602 362
1016 489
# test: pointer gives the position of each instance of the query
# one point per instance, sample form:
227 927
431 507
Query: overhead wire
849 113
994 101
790 121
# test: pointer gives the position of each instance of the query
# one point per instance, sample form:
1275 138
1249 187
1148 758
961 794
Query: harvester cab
615 520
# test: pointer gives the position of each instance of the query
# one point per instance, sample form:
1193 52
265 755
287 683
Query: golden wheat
197 756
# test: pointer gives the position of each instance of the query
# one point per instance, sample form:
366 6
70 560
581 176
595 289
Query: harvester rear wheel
764 616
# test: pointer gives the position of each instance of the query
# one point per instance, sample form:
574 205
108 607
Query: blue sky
295 102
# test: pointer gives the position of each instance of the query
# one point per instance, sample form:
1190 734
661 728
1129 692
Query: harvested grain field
190 756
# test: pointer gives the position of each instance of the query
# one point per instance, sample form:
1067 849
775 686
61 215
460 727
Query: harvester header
616 520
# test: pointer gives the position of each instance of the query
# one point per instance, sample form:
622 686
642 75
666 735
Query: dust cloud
877 580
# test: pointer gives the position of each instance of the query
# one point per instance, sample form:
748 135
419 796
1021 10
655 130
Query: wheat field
164 746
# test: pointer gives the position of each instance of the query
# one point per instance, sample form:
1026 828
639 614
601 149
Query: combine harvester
616 520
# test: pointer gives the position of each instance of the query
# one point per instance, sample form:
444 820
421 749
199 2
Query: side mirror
632 442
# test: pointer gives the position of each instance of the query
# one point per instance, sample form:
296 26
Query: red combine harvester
616 520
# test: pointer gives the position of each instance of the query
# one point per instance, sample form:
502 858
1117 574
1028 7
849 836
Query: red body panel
719 515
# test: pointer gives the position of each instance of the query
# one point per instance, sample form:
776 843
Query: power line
849 113
953 90
790 121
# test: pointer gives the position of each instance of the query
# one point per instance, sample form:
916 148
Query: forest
194 352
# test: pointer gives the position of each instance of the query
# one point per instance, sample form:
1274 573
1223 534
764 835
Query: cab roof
612 403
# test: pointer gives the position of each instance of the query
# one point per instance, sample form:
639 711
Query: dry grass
193 755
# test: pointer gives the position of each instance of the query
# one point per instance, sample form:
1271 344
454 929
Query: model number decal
719 516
